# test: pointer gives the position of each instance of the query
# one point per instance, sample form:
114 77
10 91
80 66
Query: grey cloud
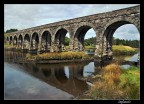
23 16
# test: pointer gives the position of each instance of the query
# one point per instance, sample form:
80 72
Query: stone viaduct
51 37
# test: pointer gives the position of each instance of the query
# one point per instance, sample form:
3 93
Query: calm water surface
44 81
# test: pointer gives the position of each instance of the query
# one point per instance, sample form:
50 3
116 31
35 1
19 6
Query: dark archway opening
20 39
46 41
11 40
15 41
7 40
26 42
34 41
60 40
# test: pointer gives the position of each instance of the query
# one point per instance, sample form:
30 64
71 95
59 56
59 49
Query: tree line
115 41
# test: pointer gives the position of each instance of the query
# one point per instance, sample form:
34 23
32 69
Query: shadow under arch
59 39
34 41
15 40
26 43
11 39
20 40
46 41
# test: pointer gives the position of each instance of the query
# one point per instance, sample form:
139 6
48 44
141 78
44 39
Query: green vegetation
7 45
67 41
131 43
117 83
89 47
11 30
58 56
90 42
120 49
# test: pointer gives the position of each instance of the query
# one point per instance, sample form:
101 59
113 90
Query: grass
117 83
58 56
117 49
89 47
120 49
7 45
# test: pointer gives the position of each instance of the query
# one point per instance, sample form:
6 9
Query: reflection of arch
46 72
26 41
35 41
46 41
20 39
108 34
60 39
60 75
79 37
35 68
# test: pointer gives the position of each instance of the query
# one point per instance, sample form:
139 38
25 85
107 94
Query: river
45 81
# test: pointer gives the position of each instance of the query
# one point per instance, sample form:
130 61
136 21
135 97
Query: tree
67 41
11 30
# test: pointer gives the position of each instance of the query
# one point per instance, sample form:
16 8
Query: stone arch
110 28
20 40
46 41
7 39
26 41
59 39
15 40
11 39
79 36
34 41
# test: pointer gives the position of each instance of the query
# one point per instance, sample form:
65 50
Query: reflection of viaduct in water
55 75
12 56
51 37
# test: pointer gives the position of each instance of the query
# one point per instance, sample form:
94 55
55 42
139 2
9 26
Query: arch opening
15 40
26 41
7 40
114 29
20 41
85 36
60 40
34 41
46 41
11 39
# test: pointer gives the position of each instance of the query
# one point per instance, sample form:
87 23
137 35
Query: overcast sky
22 16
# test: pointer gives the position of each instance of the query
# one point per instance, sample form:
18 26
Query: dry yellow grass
116 84
111 73
60 56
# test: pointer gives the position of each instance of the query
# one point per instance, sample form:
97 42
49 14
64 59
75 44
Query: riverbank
123 50
114 83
